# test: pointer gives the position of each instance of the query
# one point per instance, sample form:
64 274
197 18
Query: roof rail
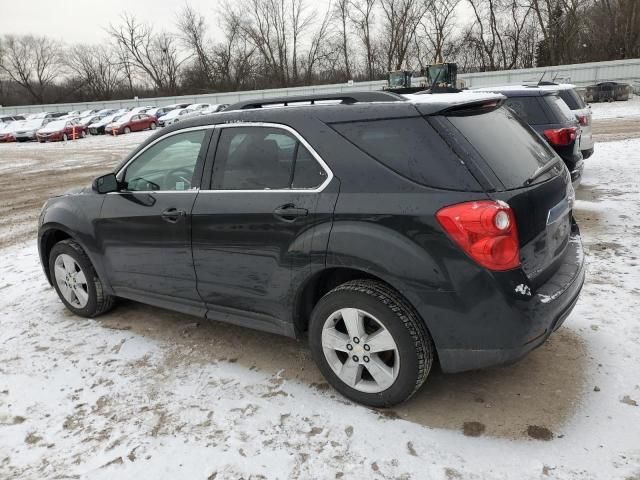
346 98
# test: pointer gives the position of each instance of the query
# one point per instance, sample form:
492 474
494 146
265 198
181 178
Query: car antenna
543 74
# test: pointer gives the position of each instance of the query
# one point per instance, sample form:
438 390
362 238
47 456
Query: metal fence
627 71
581 75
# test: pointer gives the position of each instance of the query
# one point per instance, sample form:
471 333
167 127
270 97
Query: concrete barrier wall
627 71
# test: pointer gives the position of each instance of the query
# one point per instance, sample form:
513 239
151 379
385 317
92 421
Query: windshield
437 73
33 123
396 79
56 125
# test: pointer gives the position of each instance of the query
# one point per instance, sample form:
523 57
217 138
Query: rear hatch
504 153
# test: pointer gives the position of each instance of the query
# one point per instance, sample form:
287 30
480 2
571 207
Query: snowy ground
147 394
630 108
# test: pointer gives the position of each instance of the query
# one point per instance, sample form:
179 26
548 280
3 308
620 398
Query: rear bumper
529 322
586 138
576 173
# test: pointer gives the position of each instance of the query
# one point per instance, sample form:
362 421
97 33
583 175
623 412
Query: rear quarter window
572 99
530 109
560 109
412 148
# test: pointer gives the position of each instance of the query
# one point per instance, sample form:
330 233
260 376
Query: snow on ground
630 108
98 399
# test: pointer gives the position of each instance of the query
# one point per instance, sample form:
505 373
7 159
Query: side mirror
105 184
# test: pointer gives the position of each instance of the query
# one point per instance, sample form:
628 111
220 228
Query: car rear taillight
485 230
584 120
561 136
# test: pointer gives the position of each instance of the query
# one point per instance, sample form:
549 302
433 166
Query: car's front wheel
127 130
76 281
153 126
370 344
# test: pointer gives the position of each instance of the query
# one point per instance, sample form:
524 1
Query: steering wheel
180 173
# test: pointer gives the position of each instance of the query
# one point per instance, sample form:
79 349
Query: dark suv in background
388 232
550 116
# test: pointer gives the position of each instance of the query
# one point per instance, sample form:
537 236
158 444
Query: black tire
99 302
409 332
127 130
65 137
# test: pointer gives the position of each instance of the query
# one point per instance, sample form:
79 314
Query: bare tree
341 15
193 33
32 62
233 59
437 26
97 68
400 20
316 50
155 55
363 17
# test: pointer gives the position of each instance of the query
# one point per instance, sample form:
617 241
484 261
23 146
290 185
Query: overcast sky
85 20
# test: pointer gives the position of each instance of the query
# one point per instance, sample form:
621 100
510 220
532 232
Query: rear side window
412 148
264 158
529 109
572 99
508 145
562 110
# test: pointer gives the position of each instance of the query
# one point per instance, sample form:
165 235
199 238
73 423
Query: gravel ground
145 393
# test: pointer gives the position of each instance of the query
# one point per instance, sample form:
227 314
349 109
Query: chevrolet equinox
389 232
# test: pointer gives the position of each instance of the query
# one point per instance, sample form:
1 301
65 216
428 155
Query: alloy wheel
360 350
71 281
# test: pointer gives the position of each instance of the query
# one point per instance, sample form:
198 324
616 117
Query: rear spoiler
460 106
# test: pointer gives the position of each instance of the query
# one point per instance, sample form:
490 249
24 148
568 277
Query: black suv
550 116
389 232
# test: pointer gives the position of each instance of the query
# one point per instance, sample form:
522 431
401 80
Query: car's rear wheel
76 281
369 343
153 126
65 137
83 133
127 130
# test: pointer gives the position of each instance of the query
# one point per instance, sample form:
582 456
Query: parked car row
63 126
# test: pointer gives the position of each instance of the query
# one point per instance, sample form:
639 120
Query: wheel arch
323 281
52 233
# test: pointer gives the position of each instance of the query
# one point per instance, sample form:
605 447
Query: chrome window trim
300 138
133 159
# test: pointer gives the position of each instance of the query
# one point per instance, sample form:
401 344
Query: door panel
248 261
255 239
145 230
145 250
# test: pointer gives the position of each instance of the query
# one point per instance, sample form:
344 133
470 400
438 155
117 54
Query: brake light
584 120
561 136
485 230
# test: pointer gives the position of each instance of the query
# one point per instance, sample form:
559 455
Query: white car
172 117
7 130
141 109
580 109
26 130
198 106
98 127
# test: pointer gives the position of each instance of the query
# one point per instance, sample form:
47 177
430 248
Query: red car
7 137
58 130
132 122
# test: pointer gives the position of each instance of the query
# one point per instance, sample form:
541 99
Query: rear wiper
543 169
